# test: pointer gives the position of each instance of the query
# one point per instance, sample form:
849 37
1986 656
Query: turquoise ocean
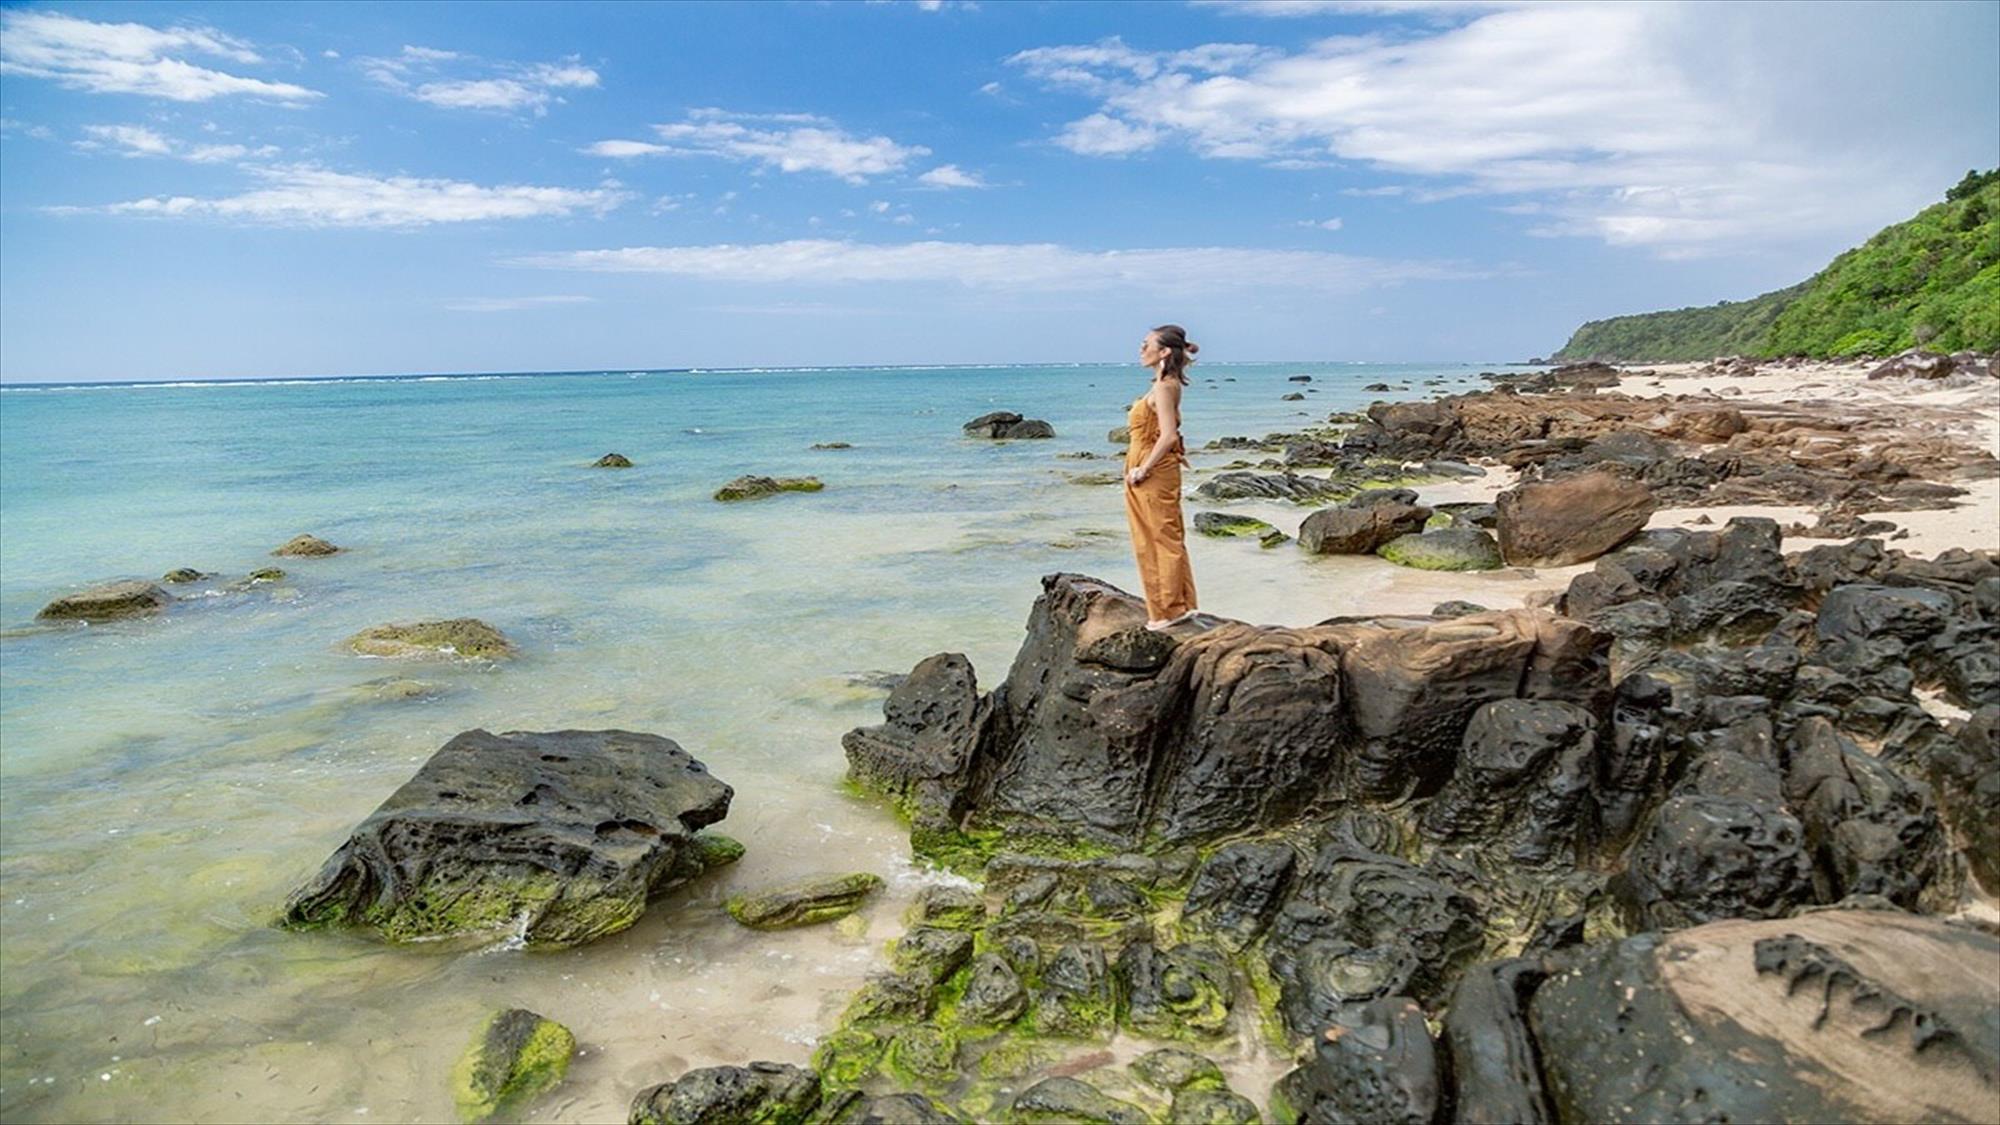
165 782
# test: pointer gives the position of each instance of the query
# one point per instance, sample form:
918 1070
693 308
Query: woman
1153 463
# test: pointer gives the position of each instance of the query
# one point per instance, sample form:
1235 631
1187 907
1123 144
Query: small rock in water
613 461
832 445
108 602
516 1056
1451 548
1174 1069
751 487
804 904
306 546
465 638
1456 609
1072 1099
184 574
397 689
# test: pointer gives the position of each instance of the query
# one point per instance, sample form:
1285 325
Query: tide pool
165 782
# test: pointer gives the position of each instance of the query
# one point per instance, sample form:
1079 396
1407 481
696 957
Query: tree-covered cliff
1931 281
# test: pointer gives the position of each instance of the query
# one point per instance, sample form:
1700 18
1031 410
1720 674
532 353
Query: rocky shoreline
1706 827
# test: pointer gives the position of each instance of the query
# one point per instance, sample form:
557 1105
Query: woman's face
1150 351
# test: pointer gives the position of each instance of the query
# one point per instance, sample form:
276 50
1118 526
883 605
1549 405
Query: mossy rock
1223 525
462 638
1214 1107
806 903
306 547
848 1057
184 574
1173 1069
923 1056
947 908
763 1093
716 850
612 461
517 1056
750 487
1452 548
1068 1101
931 952
890 998
108 602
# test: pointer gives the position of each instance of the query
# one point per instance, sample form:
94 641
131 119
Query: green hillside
1933 280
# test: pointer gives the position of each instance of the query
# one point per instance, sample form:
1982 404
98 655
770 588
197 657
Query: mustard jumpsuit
1153 508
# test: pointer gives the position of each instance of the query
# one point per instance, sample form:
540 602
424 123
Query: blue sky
237 190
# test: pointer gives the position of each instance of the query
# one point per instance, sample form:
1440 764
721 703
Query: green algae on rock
184 574
463 638
108 602
560 836
1224 525
1066 1101
517 1056
806 903
612 461
1451 548
751 487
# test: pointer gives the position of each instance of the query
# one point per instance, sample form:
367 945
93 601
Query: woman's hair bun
1193 347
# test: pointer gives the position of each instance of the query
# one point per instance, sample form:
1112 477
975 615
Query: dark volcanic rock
1831 1016
1572 520
1007 424
1381 1068
764 1092
1293 487
1966 774
612 461
1707 857
1495 1073
1871 831
922 755
1523 781
1183 992
561 835
108 602
1071 1100
1236 892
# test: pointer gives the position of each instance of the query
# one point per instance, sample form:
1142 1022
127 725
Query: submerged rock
750 487
1832 1016
184 574
1450 548
765 1093
108 602
562 836
516 1057
806 903
463 638
612 461
306 546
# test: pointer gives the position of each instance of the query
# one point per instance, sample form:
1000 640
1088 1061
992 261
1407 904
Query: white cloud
1008 266
789 142
329 53
1103 135
1322 224
952 176
1630 121
437 77
137 140
10 125
308 196
625 149
130 58
514 304
1287 9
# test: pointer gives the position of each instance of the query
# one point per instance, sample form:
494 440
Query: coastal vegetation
1932 281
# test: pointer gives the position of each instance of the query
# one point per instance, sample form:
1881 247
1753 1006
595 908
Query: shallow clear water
164 783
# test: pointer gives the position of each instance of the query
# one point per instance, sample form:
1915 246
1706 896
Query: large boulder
1834 1016
1571 520
108 602
1359 530
559 836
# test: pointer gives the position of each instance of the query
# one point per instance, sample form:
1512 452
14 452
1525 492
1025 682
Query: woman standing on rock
1153 463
